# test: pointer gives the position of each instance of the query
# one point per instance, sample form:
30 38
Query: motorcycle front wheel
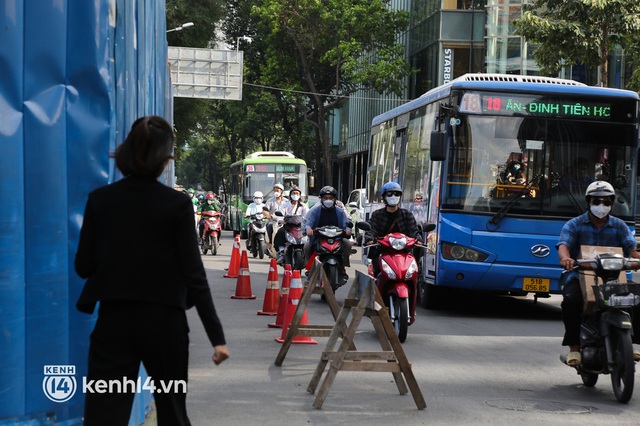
589 379
254 249
204 247
261 249
399 313
214 245
623 372
332 276
298 260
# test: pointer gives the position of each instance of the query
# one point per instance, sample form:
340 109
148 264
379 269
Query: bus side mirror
438 146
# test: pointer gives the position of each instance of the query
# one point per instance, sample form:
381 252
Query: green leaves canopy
569 32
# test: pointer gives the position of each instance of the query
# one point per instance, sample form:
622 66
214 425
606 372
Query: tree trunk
604 58
326 146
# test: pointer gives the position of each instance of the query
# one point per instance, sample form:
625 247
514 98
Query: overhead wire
326 95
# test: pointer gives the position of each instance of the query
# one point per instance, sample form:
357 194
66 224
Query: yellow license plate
539 285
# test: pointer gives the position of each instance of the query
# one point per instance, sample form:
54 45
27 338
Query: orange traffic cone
234 263
272 293
284 297
243 285
295 293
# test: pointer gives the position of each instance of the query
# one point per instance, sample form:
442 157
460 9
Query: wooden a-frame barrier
317 283
364 300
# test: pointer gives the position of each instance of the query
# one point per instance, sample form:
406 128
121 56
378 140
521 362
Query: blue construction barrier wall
74 75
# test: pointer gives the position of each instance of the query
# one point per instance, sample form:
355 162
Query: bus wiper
572 200
503 211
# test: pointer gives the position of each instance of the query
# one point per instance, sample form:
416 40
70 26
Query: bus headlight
458 252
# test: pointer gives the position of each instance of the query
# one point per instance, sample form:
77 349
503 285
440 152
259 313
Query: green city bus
259 172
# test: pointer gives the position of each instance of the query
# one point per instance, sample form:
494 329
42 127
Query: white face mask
277 194
393 201
600 211
327 203
295 197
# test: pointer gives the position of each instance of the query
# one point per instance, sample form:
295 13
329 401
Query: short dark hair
147 148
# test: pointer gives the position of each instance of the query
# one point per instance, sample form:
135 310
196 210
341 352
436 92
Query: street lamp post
181 27
245 38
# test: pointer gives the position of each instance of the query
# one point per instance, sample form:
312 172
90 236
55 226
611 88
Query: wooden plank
373 367
363 355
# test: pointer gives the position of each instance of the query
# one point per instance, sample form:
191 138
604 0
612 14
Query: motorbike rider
271 206
192 195
210 205
253 208
293 207
596 227
392 218
325 213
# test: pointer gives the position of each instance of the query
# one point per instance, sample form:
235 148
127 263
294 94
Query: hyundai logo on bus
540 250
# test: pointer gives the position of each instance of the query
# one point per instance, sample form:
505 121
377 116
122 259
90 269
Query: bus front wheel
429 295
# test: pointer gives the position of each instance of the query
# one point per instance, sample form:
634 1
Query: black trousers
126 334
572 307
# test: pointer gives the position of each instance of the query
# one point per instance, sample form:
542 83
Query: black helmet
328 190
295 188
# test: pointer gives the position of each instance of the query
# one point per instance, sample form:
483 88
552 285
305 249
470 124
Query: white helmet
600 188
257 194
279 186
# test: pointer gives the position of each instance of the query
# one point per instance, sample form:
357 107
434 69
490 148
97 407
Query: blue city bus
452 150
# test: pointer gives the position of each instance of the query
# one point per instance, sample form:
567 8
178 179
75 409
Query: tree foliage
305 57
570 32
319 49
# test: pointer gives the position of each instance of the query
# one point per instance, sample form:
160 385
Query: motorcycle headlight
290 238
398 243
413 268
612 264
387 269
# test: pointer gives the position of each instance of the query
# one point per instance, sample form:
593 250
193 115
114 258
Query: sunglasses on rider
393 194
598 201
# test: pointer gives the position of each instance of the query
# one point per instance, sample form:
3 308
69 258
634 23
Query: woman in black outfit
139 254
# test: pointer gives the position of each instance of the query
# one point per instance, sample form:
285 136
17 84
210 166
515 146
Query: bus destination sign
519 105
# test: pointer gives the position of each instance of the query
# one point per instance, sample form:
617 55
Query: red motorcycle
212 230
397 280
327 246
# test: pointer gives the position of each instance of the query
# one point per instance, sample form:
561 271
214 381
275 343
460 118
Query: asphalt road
481 360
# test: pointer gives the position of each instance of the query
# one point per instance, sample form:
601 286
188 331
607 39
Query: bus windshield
539 166
262 177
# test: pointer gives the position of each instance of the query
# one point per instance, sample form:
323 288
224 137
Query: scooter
605 335
295 241
397 280
212 230
257 229
328 249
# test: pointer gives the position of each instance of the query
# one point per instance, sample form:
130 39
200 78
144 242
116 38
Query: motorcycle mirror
279 213
363 226
428 227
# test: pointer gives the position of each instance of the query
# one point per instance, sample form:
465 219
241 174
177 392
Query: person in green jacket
210 205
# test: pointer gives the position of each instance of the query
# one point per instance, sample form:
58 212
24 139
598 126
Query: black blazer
138 243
